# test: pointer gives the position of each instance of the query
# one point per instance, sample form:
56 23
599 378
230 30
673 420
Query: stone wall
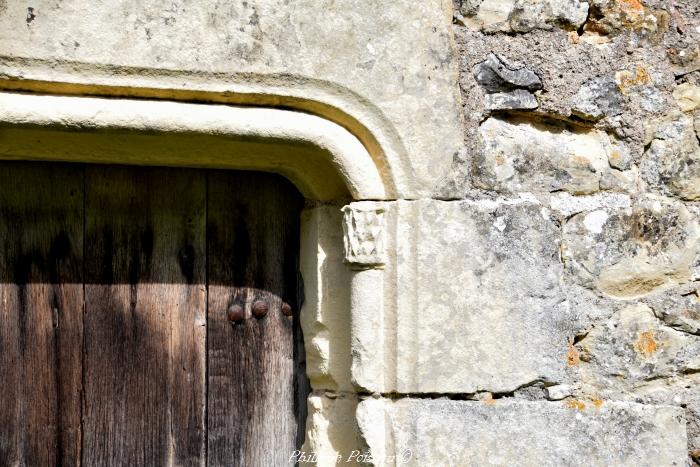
520 283
547 301
588 114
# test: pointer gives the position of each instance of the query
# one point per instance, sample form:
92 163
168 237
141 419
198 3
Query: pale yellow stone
332 434
687 96
320 157
325 317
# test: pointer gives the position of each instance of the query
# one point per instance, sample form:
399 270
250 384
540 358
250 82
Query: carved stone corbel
363 228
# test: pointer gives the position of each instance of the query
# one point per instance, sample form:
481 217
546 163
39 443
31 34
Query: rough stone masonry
539 258
594 109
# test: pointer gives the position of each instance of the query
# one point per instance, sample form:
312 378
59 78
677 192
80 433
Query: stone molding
255 137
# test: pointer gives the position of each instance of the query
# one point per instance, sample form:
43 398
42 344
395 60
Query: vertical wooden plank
41 306
145 317
252 241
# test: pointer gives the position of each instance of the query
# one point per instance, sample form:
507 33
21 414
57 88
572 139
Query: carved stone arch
328 163
322 158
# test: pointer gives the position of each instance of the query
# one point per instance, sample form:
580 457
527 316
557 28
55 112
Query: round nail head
286 309
260 308
235 313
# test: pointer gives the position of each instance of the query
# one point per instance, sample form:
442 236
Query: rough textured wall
537 304
594 108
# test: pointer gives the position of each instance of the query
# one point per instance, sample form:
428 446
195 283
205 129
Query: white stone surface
471 300
323 159
332 434
687 96
559 392
326 313
508 432
567 205
671 163
386 70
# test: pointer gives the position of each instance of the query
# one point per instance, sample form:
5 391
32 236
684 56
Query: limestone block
325 315
612 17
633 347
469 300
620 156
387 70
671 163
521 155
687 96
523 15
632 252
679 391
559 392
509 432
332 434
517 99
648 352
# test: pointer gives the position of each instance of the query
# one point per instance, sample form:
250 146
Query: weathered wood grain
145 316
104 315
252 241
41 306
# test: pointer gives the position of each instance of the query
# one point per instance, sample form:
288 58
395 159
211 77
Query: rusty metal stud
235 313
260 308
286 309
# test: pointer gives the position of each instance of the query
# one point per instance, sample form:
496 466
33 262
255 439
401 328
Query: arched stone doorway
328 164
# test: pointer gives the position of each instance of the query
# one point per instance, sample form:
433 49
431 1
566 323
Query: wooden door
145 317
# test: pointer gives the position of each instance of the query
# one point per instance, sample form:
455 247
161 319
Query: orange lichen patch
575 404
646 344
488 399
630 6
580 160
625 14
597 403
641 75
627 79
573 37
631 13
572 356
615 157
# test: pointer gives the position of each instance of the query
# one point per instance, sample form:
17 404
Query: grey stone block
507 433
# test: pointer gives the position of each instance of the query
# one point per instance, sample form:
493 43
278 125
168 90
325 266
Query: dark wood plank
41 306
252 241
145 317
